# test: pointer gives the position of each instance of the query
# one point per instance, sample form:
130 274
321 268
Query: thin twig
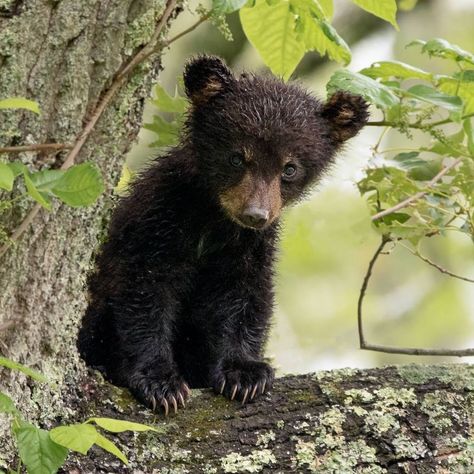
39 147
386 123
117 83
383 243
395 350
440 268
187 30
406 202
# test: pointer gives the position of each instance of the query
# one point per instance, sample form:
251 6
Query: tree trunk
63 54
412 419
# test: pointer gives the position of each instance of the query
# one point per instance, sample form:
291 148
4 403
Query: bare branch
395 350
441 269
45 147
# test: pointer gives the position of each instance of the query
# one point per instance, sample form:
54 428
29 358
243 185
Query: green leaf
373 91
39 197
271 30
78 437
462 85
106 444
385 9
39 453
441 48
327 7
6 177
164 102
432 96
17 167
317 34
467 126
21 368
118 426
19 103
418 169
168 132
46 179
7 405
80 185
387 69
449 145
407 5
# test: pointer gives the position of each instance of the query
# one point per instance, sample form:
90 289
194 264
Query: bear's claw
243 380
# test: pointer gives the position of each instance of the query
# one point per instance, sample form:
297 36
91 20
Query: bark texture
411 419
62 54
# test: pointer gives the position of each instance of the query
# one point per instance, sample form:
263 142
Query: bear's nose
255 216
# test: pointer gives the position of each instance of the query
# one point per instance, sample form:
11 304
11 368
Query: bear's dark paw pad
243 380
161 393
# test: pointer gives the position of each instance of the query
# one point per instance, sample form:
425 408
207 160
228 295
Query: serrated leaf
461 85
164 102
407 5
271 31
39 197
80 185
106 444
77 437
39 453
387 69
417 169
168 132
118 426
46 179
432 96
4 362
7 405
19 103
327 6
316 33
6 177
385 9
17 167
373 91
441 48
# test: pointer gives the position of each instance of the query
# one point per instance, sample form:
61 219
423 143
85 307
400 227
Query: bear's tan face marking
253 192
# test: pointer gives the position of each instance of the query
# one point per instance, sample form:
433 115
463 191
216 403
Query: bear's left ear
206 77
346 113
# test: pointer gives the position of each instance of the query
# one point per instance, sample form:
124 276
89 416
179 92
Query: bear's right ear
206 77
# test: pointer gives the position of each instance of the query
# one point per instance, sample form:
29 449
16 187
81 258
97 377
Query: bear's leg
144 323
239 371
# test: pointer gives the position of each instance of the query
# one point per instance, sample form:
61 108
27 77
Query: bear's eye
236 159
289 171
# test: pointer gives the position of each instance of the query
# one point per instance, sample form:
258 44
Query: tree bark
411 419
63 54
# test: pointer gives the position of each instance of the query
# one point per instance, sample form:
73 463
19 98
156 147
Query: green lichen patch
439 408
458 376
253 462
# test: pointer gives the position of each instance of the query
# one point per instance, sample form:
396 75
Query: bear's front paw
157 392
243 379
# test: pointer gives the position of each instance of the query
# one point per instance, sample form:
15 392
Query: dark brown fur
182 293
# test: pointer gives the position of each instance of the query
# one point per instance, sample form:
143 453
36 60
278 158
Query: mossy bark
412 419
64 55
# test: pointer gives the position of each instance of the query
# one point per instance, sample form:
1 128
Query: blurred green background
327 241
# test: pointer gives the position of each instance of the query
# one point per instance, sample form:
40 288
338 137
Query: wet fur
181 293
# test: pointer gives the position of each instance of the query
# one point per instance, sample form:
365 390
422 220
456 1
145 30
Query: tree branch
363 344
36 147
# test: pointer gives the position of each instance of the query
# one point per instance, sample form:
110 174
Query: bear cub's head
260 142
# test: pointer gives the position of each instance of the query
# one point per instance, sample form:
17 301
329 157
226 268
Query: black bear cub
182 291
